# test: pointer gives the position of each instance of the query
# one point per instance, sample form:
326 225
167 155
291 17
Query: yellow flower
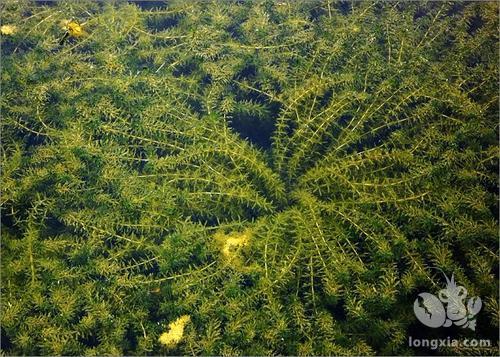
74 29
8 29
175 333
232 242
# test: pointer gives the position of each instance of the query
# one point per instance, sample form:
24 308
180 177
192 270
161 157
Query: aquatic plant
289 175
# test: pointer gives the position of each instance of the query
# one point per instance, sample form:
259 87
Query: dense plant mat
245 177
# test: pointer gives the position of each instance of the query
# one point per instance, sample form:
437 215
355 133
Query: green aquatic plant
288 175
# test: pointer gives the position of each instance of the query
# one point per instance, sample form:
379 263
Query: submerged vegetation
245 177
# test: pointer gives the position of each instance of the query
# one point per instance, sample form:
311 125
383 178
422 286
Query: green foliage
352 147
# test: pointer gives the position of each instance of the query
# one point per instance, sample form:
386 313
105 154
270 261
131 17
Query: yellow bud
8 29
74 29
175 333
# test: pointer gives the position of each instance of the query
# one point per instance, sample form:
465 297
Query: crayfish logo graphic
448 307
